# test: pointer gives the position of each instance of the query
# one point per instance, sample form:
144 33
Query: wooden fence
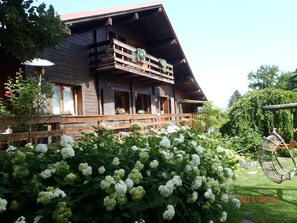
46 128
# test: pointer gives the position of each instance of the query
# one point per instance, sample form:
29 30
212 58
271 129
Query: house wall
72 66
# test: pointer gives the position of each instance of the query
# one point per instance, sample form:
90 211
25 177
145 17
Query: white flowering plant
170 175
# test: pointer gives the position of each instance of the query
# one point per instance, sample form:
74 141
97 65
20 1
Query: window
142 103
67 100
121 102
164 105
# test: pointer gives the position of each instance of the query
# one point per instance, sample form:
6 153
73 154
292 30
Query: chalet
121 60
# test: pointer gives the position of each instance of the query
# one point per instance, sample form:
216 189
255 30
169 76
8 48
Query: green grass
256 187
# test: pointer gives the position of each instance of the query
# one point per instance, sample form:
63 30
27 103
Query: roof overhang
151 23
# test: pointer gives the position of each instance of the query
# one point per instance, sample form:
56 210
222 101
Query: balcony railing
51 127
115 55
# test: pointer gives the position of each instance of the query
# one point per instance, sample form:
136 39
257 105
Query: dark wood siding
72 66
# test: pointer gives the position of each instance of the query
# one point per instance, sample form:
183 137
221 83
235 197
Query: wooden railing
55 126
114 54
30 129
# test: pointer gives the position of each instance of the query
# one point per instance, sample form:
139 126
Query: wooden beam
185 80
135 16
194 91
178 62
163 44
108 22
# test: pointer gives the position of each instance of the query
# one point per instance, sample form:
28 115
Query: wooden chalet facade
121 60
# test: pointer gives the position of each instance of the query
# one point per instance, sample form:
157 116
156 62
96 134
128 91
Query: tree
265 77
247 114
26 29
211 117
234 98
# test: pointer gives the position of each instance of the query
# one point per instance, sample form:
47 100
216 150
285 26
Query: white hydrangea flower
179 140
120 188
3 204
70 176
168 155
165 191
67 152
193 198
169 213
137 193
223 217
109 203
45 174
208 194
29 145
229 172
195 159
116 161
140 221
58 193
172 128
211 221
21 219
66 141
129 183
107 182
41 148
85 169
124 134
177 181
197 183
236 202
11 150
135 148
144 155
224 197
220 149
193 144
199 149
154 164
188 168
101 169
165 142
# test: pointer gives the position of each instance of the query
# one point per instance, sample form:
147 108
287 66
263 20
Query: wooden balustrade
49 127
114 54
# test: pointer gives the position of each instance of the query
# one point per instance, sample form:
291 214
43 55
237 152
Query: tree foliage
211 117
265 77
247 113
234 98
26 29
268 76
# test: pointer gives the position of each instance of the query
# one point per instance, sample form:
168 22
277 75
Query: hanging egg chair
275 165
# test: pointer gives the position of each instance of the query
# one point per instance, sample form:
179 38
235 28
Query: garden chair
275 156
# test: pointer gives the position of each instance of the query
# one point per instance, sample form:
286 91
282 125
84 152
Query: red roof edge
86 14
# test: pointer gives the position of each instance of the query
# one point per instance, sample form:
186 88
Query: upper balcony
114 56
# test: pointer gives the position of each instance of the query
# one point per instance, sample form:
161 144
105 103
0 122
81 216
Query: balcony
116 57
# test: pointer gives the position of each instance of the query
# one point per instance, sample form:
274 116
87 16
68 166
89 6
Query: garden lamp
38 66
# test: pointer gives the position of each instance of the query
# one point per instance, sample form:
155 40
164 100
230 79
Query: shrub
171 175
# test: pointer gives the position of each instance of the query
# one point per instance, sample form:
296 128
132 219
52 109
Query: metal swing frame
267 156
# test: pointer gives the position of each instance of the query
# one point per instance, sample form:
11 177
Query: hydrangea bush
170 175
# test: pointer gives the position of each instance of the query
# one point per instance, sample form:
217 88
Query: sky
223 40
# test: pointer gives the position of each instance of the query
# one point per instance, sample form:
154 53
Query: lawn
263 201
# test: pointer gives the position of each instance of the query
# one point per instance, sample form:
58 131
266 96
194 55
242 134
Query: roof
151 22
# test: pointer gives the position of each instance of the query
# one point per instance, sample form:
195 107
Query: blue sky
223 40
